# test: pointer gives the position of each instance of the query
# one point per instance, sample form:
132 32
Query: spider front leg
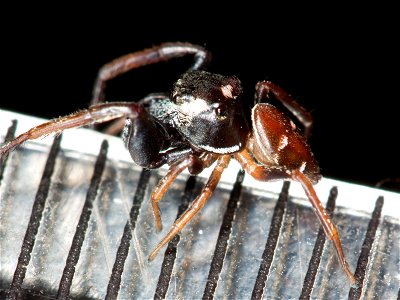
263 90
191 162
143 137
96 114
196 205
160 53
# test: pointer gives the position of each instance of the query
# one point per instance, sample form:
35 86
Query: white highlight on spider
179 82
221 150
303 166
193 106
293 125
283 141
125 131
227 91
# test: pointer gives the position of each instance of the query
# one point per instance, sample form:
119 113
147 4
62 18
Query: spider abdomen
278 142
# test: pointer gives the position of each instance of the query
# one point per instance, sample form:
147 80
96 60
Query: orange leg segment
196 205
266 173
327 224
174 171
163 186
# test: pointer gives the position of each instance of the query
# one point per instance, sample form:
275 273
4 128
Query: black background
336 61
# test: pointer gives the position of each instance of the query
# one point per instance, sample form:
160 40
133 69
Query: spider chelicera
199 123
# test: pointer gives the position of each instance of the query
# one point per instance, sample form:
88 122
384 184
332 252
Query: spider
200 123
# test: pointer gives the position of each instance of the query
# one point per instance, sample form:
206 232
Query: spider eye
219 110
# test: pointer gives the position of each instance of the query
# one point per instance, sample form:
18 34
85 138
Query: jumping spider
201 122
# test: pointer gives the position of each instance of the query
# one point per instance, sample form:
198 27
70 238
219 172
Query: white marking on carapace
193 106
190 107
227 91
226 150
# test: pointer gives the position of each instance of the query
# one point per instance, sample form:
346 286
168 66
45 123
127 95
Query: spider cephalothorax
208 106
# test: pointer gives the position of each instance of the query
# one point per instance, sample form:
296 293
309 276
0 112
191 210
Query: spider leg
266 173
196 205
260 172
264 88
96 114
115 127
160 53
163 186
329 227
174 171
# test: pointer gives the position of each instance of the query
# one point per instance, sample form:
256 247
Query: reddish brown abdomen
276 141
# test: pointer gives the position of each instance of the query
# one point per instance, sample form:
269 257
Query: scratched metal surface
69 184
